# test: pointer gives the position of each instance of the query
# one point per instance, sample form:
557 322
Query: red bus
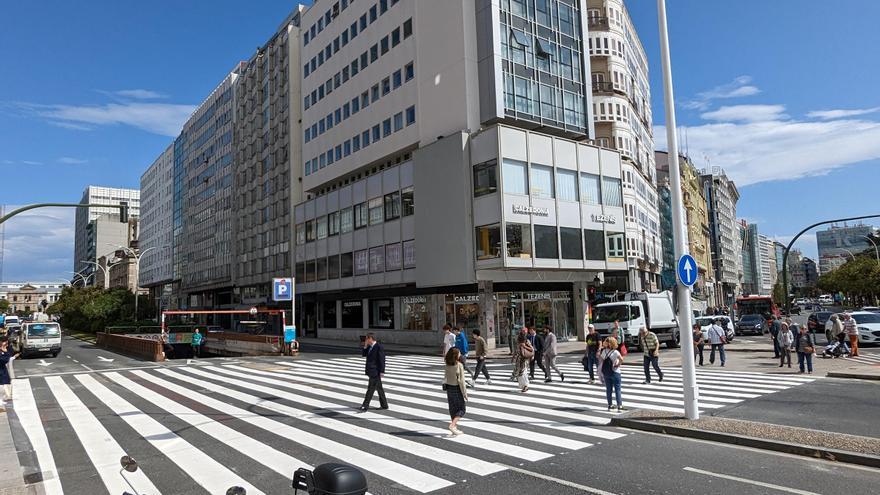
756 305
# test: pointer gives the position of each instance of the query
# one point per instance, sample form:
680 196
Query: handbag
623 350
809 349
527 350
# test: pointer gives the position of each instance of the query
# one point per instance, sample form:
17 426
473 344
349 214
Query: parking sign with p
282 289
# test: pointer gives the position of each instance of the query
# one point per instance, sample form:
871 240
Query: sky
92 92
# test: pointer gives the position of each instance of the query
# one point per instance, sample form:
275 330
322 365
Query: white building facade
156 220
721 196
89 243
768 264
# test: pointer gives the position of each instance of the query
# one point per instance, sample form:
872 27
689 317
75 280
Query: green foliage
4 306
92 309
858 279
779 296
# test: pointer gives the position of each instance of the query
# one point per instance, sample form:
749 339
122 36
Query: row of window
380 259
322 22
543 54
359 63
372 212
372 135
380 89
567 186
550 242
543 101
561 15
373 12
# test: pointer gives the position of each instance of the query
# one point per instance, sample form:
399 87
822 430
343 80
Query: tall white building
89 243
447 170
623 121
721 196
768 264
156 229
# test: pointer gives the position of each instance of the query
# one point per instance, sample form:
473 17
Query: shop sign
415 300
351 304
531 210
604 218
537 296
467 299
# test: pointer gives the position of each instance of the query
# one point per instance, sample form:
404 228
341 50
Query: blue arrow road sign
687 270
282 289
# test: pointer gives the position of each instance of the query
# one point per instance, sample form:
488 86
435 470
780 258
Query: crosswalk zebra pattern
203 429
865 358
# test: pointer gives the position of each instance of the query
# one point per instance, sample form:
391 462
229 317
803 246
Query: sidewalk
11 477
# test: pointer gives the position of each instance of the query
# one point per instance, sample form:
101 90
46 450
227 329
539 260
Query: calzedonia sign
531 210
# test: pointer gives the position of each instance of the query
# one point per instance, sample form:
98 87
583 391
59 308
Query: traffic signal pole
123 209
689 377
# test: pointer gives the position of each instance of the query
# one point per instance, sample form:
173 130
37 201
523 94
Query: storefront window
393 257
572 249
463 310
381 313
546 243
409 254
328 314
346 265
361 262
594 240
519 240
488 242
485 178
377 259
352 314
416 313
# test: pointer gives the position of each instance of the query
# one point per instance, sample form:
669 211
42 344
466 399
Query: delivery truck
633 310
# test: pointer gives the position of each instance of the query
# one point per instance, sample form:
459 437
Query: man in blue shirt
461 343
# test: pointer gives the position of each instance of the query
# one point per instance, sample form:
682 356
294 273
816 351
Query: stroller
836 349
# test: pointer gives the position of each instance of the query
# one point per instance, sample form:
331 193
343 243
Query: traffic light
591 293
123 211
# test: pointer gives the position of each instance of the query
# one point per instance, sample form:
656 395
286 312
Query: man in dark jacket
775 328
538 358
375 369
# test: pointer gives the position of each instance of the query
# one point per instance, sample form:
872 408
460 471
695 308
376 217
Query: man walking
480 344
375 370
651 349
591 358
775 328
461 343
852 331
196 343
538 357
551 350
717 338
448 339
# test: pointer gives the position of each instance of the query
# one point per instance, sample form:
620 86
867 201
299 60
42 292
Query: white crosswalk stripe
865 358
305 412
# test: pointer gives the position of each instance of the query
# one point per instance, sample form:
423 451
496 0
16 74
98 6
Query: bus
756 305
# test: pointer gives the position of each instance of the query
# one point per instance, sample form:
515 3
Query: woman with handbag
611 361
456 389
786 340
805 348
523 353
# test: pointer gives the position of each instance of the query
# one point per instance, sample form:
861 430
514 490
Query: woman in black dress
456 389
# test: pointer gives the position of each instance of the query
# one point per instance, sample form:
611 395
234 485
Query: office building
28 297
156 229
768 264
750 264
93 239
724 236
839 244
622 111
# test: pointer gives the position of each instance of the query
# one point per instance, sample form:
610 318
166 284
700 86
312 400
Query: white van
39 338
653 311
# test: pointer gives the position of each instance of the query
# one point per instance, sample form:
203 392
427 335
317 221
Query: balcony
603 87
598 23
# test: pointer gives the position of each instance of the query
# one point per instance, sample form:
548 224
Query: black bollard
330 479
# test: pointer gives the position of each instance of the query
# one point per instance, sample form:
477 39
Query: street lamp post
876 250
85 279
103 269
137 268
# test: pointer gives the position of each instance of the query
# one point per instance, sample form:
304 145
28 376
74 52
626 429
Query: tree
779 296
92 309
4 306
858 279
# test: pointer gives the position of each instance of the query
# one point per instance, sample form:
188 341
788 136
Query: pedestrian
481 353
551 350
6 357
699 342
775 328
611 361
375 370
461 343
619 335
651 350
836 331
805 349
456 389
786 340
448 339
852 331
591 356
717 339
197 343
521 356
538 346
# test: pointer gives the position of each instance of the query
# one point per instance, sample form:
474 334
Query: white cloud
69 160
72 126
746 113
738 88
159 118
839 114
31 162
140 94
39 245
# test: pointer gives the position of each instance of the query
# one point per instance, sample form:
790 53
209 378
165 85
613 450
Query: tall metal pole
689 377
876 250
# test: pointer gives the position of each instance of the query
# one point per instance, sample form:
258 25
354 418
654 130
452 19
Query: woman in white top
610 366
785 339
456 389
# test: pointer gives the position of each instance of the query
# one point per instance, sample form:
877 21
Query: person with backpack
717 339
786 339
521 356
611 361
461 343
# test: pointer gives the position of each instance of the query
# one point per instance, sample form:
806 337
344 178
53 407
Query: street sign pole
689 378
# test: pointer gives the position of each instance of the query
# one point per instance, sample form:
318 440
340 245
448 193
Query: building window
381 313
361 262
310 231
392 206
409 71
300 234
590 192
615 246
333 267
333 223
546 242
515 179
377 259
566 19
321 265
360 215
488 242
408 205
328 314
375 211
393 257
411 115
346 265
398 121
594 241
310 271
416 313
611 191
346 221
523 95
566 184
352 314
519 240
321 227
407 29
409 254
542 181
572 249
485 178
386 127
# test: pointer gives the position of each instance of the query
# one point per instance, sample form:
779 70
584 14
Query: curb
758 443
854 376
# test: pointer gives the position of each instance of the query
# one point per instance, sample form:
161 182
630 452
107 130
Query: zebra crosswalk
871 359
203 429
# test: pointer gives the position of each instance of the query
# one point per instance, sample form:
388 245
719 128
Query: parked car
706 321
751 324
40 338
867 323
817 320
872 309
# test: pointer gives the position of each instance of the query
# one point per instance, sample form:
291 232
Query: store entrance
535 310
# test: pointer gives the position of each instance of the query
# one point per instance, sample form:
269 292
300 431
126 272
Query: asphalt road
76 356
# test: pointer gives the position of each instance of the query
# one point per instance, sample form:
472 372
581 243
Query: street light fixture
876 250
106 270
137 269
